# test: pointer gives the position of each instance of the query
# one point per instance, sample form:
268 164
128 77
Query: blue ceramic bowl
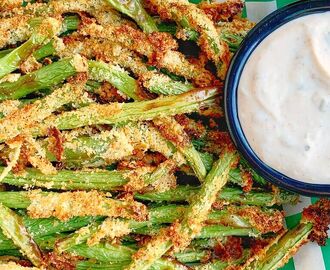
259 32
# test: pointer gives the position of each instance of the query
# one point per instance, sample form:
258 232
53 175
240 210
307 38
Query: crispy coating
20 120
192 224
14 266
195 129
37 156
52 260
8 106
165 183
230 250
153 243
128 145
319 215
263 222
163 176
259 249
113 52
55 145
215 49
145 44
32 9
6 5
137 178
247 181
215 111
216 141
109 229
179 235
14 26
99 9
150 7
159 48
23 159
13 30
153 158
132 38
222 11
108 93
206 79
15 144
29 65
172 130
17 29
141 159
80 203
257 245
238 26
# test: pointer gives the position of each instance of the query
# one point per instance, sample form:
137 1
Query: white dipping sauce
284 99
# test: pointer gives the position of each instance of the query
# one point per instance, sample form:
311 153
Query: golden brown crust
150 8
29 65
152 244
32 9
172 130
23 119
55 145
239 26
116 54
247 181
37 156
6 5
65 6
128 144
108 93
223 11
165 183
17 29
113 52
195 129
13 30
23 160
154 43
8 106
137 178
159 48
141 159
168 180
263 222
215 49
217 141
319 215
206 78
259 249
192 224
80 203
16 266
109 229
64 261
230 250
15 144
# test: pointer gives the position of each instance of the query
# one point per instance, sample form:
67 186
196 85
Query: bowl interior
253 39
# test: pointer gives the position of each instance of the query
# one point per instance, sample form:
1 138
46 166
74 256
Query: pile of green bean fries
114 152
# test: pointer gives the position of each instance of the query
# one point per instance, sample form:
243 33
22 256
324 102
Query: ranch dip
284 99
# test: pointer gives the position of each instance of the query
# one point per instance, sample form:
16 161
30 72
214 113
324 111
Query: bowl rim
266 26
